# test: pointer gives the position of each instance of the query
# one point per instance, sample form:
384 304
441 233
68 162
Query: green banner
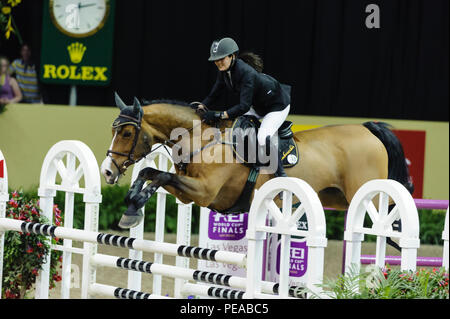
77 42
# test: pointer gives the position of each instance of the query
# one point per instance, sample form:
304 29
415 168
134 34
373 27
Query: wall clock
80 18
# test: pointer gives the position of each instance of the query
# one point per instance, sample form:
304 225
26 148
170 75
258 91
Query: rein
183 163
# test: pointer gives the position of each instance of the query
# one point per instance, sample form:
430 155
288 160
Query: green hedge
112 208
431 226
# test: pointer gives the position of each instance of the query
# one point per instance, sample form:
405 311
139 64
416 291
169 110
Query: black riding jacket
257 90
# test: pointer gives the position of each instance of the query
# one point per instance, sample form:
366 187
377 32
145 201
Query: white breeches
270 123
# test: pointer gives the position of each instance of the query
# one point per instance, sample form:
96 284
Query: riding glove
211 117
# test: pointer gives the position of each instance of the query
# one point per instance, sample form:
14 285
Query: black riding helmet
222 48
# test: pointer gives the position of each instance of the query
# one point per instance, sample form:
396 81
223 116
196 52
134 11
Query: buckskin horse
336 160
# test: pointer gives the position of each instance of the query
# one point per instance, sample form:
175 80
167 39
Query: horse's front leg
136 198
145 174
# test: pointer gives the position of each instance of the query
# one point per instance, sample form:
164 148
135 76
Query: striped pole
204 290
122 293
187 274
124 242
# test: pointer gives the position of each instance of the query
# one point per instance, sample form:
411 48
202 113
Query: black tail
397 167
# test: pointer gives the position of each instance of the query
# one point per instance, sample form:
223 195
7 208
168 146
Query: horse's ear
119 102
136 106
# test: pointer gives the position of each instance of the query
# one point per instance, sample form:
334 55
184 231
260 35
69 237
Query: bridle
123 120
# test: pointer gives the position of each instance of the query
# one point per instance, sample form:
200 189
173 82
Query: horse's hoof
131 218
127 222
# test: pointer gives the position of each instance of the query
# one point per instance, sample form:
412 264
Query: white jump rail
4 197
186 274
122 293
387 191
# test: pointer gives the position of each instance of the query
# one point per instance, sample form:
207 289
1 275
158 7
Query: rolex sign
77 42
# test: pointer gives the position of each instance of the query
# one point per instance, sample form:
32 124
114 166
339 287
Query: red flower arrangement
25 253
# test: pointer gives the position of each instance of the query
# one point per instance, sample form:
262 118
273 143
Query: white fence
66 166
71 167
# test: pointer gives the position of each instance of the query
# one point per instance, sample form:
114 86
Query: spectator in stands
25 72
9 88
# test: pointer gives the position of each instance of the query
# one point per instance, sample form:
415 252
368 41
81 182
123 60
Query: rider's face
25 52
223 64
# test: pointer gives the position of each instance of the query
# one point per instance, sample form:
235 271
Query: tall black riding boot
280 169
273 154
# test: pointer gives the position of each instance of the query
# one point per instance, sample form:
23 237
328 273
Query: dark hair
253 60
30 62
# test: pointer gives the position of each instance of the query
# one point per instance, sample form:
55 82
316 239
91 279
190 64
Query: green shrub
431 224
335 221
375 283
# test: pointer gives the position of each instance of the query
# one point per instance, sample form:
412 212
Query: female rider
260 94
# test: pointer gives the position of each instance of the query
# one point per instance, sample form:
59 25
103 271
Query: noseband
123 120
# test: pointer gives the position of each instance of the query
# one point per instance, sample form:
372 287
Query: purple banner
298 263
227 227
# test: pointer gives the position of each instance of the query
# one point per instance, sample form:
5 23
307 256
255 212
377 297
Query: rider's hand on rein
212 117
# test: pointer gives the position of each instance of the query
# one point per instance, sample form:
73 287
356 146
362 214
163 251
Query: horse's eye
127 134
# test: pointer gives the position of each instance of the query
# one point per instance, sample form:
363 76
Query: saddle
243 136
243 142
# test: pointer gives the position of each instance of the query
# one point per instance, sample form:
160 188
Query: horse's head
129 143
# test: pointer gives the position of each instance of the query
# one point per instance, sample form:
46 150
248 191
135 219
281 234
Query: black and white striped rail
122 293
190 274
217 292
123 241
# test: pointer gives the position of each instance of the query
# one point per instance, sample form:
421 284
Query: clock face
79 18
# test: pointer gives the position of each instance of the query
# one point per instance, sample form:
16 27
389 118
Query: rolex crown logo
76 51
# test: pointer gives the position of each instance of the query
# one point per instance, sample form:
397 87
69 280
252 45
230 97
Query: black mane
164 101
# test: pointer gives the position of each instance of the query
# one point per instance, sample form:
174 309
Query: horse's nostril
108 173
